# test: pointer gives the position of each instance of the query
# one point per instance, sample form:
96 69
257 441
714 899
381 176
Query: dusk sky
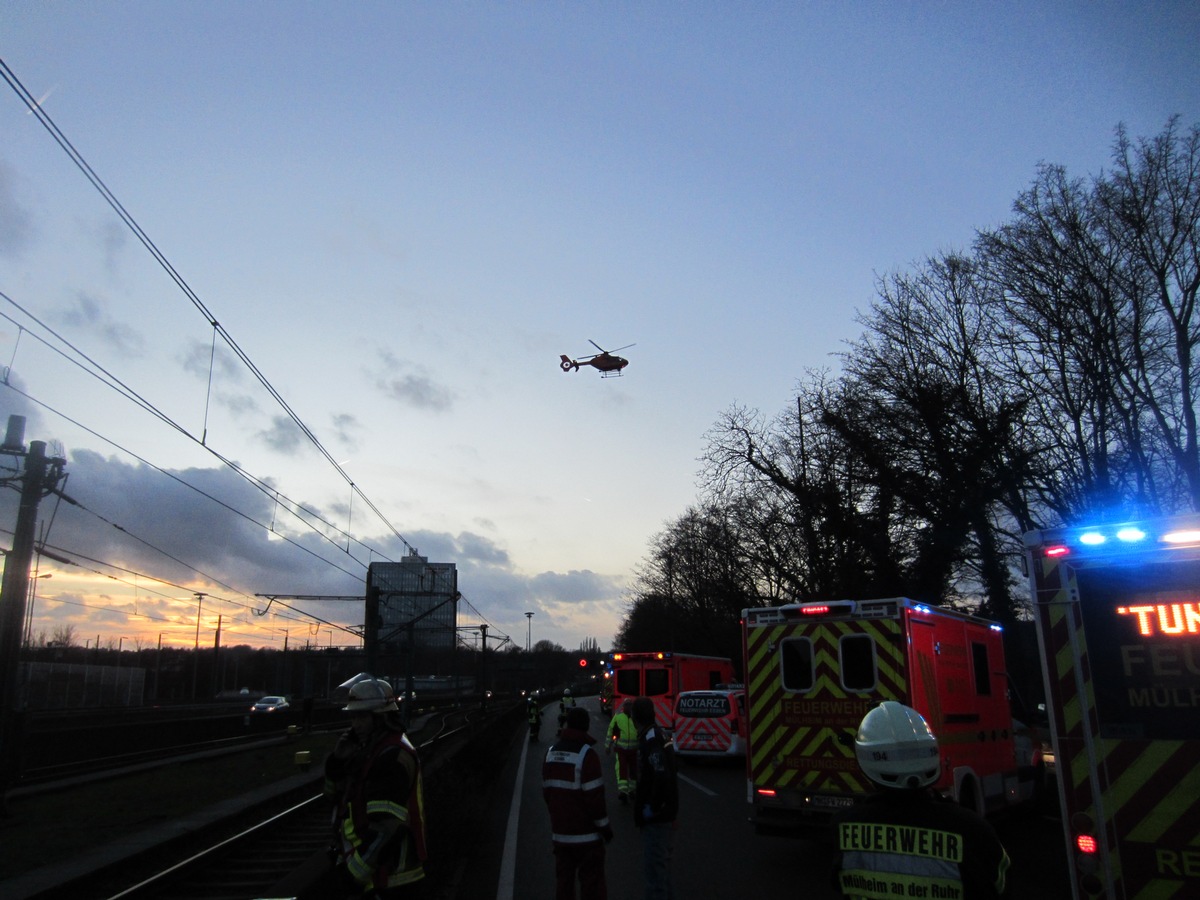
402 214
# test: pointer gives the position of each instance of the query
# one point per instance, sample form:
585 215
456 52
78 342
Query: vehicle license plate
703 736
833 802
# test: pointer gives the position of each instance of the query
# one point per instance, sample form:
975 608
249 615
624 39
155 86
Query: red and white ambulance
813 670
1118 619
663 675
711 724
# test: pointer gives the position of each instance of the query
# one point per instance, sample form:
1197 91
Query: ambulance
663 676
1117 609
813 670
711 724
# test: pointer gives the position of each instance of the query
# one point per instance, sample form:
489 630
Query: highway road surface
717 854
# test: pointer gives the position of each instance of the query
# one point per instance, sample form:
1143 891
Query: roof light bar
1187 536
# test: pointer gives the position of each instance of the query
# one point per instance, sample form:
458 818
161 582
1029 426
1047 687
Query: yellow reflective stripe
387 808
359 869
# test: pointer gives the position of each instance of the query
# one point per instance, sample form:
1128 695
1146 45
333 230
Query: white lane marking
508 862
697 785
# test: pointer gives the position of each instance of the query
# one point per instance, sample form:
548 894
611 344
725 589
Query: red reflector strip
766 792
1086 843
1058 550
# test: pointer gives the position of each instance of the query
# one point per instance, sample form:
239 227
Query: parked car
269 704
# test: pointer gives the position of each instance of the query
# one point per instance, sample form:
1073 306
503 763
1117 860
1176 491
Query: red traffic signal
583 662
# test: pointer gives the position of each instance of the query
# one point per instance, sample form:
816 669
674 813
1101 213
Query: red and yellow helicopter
605 361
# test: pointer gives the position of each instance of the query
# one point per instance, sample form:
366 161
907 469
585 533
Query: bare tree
932 424
1099 283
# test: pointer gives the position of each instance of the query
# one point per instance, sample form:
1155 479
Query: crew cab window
796 664
856 657
658 682
983 674
629 682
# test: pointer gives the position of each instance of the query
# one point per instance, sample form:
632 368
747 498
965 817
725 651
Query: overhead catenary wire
81 163
77 158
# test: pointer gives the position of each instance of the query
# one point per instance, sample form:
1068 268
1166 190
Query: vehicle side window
629 682
856 656
796 664
658 682
983 674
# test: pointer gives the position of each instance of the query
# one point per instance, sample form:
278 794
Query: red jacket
573 787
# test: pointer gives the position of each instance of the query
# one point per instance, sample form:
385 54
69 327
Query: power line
77 158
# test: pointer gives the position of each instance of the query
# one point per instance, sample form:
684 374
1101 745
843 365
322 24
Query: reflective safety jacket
622 733
378 790
916 844
535 714
573 787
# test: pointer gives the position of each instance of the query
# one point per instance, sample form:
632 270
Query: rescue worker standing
573 788
535 719
373 776
623 739
565 702
656 800
906 838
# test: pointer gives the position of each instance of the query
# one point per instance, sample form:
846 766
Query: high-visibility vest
404 864
622 733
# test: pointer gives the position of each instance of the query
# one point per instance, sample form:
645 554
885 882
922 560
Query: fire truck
813 670
1118 621
663 675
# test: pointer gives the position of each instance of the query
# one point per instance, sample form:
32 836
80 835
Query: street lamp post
528 630
196 650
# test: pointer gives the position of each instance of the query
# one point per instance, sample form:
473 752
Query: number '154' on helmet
895 747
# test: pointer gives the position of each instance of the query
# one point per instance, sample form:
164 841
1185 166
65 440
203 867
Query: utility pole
483 666
41 477
196 649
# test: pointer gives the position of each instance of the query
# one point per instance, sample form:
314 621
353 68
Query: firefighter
565 702
373 776
905 839
535 719
656 800
623 738
573 788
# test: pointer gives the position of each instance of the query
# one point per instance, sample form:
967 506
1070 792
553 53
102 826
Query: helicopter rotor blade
597 346
619 349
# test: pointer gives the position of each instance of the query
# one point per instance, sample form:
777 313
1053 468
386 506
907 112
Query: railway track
274 850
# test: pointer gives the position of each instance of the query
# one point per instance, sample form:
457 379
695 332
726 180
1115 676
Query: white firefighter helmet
566 692
895 747
373 695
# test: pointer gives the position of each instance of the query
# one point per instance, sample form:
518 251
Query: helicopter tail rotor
567 363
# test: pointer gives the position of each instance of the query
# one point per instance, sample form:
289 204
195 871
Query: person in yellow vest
534 713
623 740
373 776
565 702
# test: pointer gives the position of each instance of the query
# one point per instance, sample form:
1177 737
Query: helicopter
605 361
